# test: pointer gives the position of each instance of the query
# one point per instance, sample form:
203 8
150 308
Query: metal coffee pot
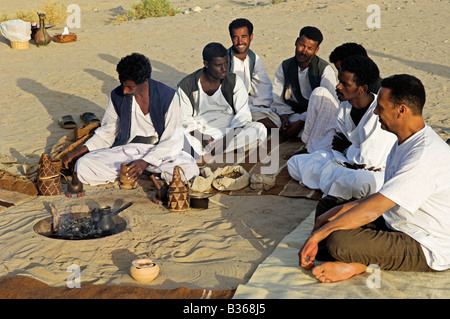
103 217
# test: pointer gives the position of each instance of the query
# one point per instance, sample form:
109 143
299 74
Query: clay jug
42 37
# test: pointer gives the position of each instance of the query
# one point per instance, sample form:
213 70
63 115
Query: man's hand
291 129
136 168
340 142
308 253
73 156
268 123
361 166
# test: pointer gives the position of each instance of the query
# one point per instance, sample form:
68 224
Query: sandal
67 121
89 117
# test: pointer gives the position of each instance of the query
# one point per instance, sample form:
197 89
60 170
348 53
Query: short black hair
213 50
311 33
406 89
345 50
134 67
240 23
365 71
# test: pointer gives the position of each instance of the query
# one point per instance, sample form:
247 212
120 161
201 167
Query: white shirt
417 179
259 85
371 144
214 113
328 80
171 141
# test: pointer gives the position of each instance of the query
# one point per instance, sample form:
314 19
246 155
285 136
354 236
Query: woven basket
178 192
19 45
50 186
49 179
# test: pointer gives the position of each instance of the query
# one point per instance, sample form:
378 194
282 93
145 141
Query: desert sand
215 249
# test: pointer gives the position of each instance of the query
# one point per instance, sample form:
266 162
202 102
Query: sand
218 248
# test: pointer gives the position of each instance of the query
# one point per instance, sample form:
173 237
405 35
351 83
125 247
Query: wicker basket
19 45
49 179
178 192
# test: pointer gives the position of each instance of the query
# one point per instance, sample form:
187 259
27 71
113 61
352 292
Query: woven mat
275 161
28 288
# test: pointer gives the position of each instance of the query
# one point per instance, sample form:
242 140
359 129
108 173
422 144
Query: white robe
102 164
214 117
259 88
326 171
322 107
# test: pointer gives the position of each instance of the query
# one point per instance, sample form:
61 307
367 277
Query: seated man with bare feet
405 226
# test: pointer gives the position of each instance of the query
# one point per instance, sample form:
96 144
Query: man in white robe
340 53
141 126
355 166
304 93
248 65
214 104
404 226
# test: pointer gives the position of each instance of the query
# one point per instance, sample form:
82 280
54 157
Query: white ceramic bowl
144 270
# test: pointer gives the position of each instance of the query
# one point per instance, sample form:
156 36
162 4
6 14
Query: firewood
56 217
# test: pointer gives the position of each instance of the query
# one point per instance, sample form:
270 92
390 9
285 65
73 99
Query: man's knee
328 202
339 245
261 131
81 164
322 100
365 184
320 91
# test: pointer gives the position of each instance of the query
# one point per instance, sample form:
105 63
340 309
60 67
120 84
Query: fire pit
98 223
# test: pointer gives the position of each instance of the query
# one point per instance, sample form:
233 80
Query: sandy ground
214 249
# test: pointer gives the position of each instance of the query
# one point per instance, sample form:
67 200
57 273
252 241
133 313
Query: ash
84 228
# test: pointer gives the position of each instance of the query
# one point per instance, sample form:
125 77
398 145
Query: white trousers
320 171
103 166
245 138
320 120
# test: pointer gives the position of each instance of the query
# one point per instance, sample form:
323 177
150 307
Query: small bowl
144 270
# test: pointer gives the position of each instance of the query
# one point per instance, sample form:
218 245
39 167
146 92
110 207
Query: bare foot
337 271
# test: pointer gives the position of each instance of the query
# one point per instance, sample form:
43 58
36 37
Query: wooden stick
56 217
218 203
155 182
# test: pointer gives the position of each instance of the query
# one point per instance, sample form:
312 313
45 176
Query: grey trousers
371 244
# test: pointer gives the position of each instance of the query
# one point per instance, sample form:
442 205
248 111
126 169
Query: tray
71 37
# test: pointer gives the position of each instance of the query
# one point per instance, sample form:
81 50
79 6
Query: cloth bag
202 183
16 30
231 178
262 182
